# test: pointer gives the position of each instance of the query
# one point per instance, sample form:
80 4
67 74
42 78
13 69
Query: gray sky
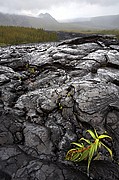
61 9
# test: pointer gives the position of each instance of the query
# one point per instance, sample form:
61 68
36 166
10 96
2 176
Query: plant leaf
96 146
91 154
108 149
77 144
84 155
96 133
69 154
75 157
104 136
86 140
91 133
97 157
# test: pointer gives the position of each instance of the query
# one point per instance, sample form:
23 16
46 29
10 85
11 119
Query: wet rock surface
50 94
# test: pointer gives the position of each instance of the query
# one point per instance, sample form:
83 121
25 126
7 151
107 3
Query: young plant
87 152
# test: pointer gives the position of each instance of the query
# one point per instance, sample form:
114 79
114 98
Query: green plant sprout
60 106
31 70
82 152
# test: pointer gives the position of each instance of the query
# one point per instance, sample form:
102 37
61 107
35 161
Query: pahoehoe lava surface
50 94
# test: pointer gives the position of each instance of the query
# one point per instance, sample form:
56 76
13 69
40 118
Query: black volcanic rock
50 94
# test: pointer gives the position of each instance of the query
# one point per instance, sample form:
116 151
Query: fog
61 9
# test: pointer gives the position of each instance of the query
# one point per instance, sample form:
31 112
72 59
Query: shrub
87 152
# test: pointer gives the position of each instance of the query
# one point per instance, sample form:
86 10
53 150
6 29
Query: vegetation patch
96 31
89 150
11 35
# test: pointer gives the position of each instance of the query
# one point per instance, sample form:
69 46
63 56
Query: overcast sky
61 9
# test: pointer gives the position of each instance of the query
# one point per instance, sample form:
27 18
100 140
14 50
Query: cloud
46 4
101 2
75 10
60 9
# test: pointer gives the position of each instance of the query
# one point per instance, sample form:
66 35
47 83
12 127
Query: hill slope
109 22
46 21
43 21
100 22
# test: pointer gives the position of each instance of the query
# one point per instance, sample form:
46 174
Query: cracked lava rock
50 94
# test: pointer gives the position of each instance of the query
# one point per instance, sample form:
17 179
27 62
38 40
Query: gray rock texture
50 94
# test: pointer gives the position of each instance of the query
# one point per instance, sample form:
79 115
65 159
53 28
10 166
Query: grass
105 31
112 32
11 35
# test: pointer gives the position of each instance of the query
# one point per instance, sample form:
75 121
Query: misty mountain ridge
47 22
81 19
47 17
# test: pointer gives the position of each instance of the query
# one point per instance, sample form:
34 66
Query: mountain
47 22
100 22
109 22
47 17
81 19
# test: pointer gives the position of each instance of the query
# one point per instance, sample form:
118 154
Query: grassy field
10 35
110 32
